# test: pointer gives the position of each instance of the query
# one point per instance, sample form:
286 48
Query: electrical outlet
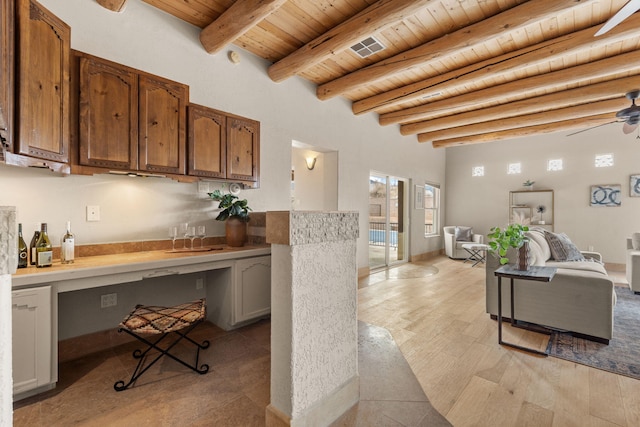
199 283
108 300
93 213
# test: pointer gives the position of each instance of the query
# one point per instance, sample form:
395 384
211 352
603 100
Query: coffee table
477 252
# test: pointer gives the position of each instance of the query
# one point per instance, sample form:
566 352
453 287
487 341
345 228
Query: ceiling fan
630 116
627 10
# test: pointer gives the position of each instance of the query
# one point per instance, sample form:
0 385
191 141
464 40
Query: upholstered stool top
148 319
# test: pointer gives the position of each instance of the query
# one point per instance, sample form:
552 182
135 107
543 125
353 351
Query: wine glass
191 234
183 228
173 234
201 232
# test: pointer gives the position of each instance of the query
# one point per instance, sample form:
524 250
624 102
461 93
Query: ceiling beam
575 112
623 63
113 5
510 62
496 26
596 92
567 125
236 21
373 19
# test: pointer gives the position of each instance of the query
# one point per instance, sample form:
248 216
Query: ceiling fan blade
592 127
627 128
626 11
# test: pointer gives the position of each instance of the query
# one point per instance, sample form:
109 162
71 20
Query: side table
476 252
534 273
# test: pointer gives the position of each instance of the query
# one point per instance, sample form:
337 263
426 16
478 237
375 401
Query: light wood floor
442 329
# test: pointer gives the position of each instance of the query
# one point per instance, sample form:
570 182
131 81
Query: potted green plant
528 184
512 236
235 212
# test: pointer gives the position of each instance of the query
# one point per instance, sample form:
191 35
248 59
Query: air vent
367 47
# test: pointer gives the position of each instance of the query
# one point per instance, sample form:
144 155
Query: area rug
622 355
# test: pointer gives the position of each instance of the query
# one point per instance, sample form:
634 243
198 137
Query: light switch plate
93 213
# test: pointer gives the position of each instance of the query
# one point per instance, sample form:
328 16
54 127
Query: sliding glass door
388 221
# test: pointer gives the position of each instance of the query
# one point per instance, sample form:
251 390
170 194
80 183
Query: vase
236 231
523 257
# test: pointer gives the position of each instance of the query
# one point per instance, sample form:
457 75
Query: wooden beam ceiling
375 18
497 67
236 21
448 45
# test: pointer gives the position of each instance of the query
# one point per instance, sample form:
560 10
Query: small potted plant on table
513 236
235 212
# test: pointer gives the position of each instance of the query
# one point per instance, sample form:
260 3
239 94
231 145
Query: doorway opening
388 220
314 178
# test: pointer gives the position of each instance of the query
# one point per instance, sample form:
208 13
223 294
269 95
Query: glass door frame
399 240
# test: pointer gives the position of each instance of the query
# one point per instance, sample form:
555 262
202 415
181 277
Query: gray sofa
580 298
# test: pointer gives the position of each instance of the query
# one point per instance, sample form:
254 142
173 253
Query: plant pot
236 231
523 257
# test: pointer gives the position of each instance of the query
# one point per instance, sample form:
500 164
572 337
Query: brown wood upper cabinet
43 44
130 120
222 145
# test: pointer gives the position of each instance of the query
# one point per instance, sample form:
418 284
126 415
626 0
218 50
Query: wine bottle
44 252
32 245
67 246
23 259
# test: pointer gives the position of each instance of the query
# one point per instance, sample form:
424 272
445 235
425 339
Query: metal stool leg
139 370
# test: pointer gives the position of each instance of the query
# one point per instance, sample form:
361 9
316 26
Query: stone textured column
8 264
314 330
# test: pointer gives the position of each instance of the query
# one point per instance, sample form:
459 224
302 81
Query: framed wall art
605 195
634 186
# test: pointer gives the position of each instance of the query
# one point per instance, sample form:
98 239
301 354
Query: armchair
453 247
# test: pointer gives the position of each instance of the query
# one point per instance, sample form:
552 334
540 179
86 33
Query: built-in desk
235 281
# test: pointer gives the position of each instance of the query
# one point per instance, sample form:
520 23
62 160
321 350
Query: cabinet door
243 149
31 318
108 115
6 75
207 142
252 288
43 43
162 109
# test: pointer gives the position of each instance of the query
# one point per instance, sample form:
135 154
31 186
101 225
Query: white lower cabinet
32 335
252 288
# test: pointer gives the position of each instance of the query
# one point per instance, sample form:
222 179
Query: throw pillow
536 234
562 249
463 234
535 254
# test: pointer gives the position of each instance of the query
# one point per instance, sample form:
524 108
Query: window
431 209
477 171
554 165
514 169
604 160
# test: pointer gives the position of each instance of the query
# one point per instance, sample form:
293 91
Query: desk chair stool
154 320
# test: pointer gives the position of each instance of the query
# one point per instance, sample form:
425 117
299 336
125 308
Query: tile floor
235 392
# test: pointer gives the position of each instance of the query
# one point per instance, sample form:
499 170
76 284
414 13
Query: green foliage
510 237
231 206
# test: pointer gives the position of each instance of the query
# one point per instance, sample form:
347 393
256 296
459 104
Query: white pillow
536 256
536 235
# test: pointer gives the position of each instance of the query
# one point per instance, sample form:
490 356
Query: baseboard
332 407
364 272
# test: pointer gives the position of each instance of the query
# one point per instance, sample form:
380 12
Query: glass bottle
67 246
23 258
32 245
44 252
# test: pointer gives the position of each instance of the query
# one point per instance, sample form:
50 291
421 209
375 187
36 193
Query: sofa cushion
536 234
586 265
463 234
536 257
562 249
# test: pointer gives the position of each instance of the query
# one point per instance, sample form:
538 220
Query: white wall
152 41
482 202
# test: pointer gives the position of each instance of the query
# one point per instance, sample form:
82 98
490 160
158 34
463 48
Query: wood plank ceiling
452 71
